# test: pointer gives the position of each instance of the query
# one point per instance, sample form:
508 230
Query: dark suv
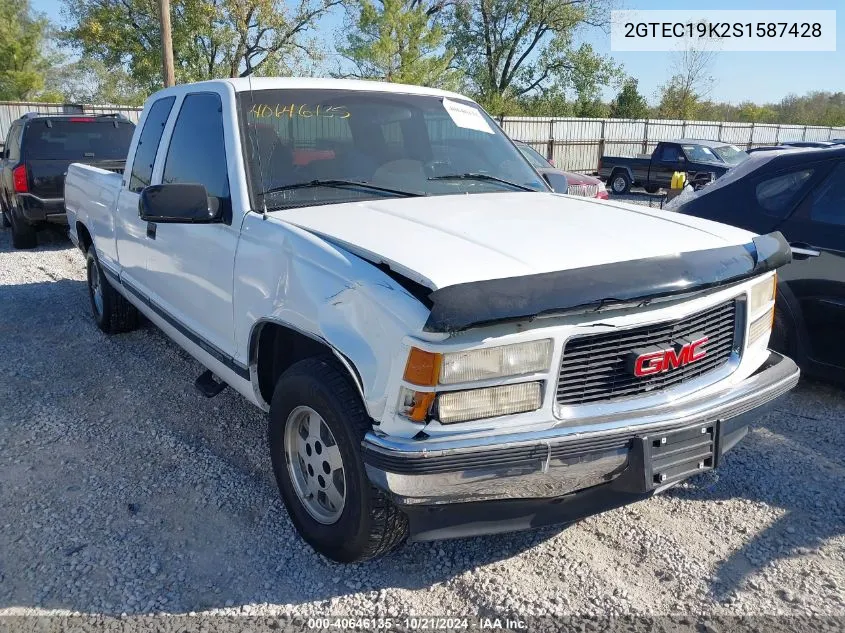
38 150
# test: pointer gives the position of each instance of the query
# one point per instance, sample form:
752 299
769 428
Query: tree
24 58
629 103
689 84
91 81
211 38
399 41
512 49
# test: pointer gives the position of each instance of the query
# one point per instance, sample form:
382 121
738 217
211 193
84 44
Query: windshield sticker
304 110
466 116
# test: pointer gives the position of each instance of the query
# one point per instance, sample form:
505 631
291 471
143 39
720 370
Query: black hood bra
592 288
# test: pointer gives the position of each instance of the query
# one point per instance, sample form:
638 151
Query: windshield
299 145
77 138
731 154
533 156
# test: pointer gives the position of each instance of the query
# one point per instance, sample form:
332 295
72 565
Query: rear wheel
620 183
652 188
112 312
317 423
23 233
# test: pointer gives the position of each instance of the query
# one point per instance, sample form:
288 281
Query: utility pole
166 43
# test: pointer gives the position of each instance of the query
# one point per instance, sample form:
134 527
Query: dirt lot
125 491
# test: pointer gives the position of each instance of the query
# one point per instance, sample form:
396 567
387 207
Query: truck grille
597 366
588 191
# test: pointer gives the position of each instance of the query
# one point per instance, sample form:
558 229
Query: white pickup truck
445 347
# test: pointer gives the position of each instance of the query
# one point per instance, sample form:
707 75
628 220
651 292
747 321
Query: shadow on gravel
50 238
124 490
792 463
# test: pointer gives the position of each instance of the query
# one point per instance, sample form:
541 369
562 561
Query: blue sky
760 77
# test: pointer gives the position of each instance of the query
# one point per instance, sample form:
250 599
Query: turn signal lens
422 367
460 406
415 404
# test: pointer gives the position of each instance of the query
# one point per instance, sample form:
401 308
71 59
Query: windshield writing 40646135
304 110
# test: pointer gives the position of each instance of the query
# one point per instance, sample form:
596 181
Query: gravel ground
125 491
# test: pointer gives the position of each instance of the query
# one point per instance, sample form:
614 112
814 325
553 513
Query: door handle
800 250
151 230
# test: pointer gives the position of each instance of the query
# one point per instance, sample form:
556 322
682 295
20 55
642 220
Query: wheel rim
96 287
315 465
619 184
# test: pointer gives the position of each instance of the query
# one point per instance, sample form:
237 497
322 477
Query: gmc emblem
651 363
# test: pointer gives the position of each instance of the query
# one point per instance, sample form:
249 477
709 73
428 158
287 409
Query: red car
563 181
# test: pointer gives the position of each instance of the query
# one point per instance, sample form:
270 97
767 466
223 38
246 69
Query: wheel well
277 347
84 236
619 170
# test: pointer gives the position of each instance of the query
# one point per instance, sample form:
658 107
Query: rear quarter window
776 195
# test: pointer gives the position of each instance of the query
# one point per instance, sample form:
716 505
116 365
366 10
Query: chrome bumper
556 462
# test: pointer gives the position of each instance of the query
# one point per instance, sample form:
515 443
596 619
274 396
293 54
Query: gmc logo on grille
651 363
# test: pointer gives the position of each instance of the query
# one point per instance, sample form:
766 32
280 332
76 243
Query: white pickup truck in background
445 346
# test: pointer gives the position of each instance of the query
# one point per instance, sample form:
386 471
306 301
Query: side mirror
557 182
178 203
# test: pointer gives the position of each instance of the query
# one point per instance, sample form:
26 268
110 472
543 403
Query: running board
208 385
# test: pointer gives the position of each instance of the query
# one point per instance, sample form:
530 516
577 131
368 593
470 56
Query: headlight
430 369
762 294
496 362
460 406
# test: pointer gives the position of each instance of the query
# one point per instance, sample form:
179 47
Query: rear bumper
454 488
36 209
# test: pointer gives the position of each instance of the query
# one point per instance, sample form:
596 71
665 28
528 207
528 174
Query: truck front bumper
464 487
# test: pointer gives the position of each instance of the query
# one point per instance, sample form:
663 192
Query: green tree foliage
23 55
629 103
399 41
513 49
211 38
689 85
90 81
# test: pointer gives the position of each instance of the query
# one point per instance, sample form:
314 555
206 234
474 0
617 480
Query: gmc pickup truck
702 161
444 346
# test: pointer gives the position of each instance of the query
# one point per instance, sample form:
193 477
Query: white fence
574 144
12 110
577 144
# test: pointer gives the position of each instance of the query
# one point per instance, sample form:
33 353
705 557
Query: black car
38 150
802 195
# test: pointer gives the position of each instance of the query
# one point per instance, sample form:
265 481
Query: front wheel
620 183
317 423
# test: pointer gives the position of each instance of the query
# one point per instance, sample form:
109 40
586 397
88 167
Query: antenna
257 146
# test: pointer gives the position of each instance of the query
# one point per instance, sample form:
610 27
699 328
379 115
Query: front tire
620 183
113 314
317 423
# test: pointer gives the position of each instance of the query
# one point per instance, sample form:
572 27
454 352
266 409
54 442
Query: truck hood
446 240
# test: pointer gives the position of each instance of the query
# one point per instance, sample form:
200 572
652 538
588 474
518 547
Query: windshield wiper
480 176
341 183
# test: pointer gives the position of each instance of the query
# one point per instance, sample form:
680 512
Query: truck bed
90 199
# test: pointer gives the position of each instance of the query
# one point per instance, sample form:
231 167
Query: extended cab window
145 153
197 152
670 154
829 199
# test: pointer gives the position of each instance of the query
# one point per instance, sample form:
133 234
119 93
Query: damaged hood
442 241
